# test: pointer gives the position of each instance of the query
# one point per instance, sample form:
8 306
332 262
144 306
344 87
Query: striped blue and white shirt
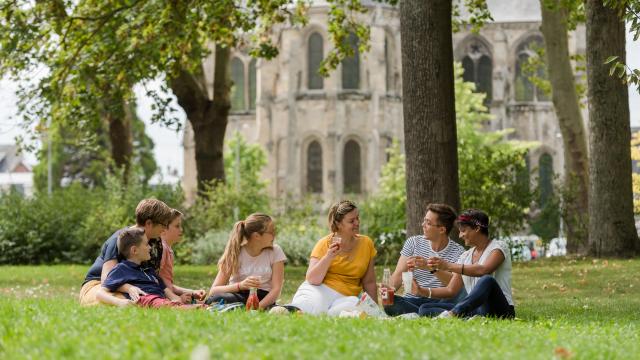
421 246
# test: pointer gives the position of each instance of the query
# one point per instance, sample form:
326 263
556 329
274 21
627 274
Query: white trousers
321 299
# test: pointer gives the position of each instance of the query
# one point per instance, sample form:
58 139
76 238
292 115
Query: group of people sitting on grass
135 266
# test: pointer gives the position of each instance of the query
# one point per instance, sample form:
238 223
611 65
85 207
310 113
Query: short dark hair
475 218
446 215
129 238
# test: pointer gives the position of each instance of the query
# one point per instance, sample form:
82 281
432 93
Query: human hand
334 247
436 263
249 282
411 263
135 293
186 298
126 302
417 262
200 294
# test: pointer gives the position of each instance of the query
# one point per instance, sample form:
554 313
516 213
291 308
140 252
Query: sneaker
474 318
279 310
289 308
409 316
445 315
221 307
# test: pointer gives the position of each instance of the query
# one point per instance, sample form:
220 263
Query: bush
208 249
298 230
42 229
296 244
71 225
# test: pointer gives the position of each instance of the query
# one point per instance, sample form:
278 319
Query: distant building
328 136
14 173
635 164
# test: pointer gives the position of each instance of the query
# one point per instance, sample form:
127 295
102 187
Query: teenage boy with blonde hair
152 216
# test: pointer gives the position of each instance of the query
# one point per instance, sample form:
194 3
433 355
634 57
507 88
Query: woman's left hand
436 263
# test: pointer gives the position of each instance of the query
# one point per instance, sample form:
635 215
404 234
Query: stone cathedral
328 136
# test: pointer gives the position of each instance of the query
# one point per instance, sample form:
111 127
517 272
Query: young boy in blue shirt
133 245
152 216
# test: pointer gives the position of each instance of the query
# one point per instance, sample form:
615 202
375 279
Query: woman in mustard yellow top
341 265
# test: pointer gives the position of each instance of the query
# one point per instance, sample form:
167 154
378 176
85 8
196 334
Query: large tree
611 223
428 106
555 26
208 116
96 50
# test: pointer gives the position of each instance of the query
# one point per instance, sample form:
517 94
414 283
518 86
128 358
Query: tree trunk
208 117
611 224
119 127
567 107
429 107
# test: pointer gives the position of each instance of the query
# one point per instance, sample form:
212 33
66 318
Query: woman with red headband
484 270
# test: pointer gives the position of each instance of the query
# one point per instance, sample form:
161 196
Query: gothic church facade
328 136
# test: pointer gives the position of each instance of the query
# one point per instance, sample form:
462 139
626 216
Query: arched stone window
237 87
545 178
351 65
351 168
253 91
525 90
315 54
478 68
314 168
524 175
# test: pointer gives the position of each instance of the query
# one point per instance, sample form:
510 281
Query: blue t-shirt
128 272
110 251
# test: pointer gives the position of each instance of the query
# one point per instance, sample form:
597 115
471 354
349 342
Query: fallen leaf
562 353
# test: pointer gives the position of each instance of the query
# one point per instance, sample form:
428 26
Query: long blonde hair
239 236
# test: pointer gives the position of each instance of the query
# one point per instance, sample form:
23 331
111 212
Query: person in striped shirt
436 226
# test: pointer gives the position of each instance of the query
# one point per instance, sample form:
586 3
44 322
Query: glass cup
337 240
407 280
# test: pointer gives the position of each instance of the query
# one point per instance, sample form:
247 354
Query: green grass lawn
581 309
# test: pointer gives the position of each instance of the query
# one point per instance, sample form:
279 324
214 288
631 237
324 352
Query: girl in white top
250 260
484 270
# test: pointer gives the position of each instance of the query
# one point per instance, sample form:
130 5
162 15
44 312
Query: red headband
466 219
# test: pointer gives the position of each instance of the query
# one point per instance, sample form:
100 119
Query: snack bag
366 304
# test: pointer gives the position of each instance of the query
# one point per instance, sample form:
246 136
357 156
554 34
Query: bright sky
168 143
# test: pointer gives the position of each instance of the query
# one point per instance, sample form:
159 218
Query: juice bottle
387 291
253 303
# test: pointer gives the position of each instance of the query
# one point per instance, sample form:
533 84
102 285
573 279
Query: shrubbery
70 225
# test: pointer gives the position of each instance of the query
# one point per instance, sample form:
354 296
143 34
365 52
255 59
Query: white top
260 265
502 273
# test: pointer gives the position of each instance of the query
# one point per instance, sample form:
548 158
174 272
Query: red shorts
156 301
